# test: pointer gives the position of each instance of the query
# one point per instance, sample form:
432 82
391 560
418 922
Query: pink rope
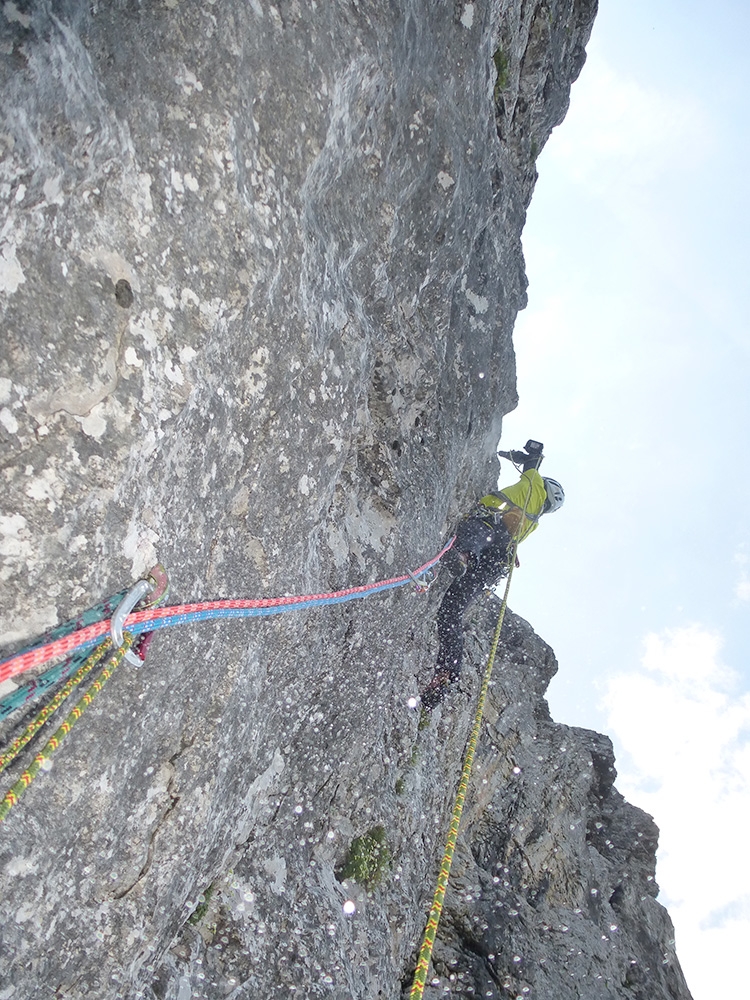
60 647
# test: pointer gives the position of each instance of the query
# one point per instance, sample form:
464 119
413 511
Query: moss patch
501 65
369 858
202 908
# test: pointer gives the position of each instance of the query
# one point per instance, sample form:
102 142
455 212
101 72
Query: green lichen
369 858
400 786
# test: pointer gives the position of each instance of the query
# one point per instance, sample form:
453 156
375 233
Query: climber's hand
530 458
517 457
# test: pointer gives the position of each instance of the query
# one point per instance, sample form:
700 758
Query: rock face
554 893
259 269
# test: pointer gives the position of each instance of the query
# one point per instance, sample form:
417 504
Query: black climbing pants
487 546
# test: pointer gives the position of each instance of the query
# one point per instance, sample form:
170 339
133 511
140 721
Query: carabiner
133 596
424 581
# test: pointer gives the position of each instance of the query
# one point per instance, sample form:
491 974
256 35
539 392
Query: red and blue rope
152 619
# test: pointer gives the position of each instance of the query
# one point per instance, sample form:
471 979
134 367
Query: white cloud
619 130
742 590
545 329
684 728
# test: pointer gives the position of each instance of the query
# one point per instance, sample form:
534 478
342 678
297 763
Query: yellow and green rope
20 741
425 952
40 760
428 941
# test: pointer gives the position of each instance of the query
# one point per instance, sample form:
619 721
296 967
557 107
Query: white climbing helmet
555 495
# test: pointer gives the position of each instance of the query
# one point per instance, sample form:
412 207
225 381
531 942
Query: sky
634 370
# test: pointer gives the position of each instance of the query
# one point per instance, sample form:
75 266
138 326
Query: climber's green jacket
529 495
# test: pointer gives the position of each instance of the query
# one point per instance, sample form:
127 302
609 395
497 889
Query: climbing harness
534 518
433 920
114 639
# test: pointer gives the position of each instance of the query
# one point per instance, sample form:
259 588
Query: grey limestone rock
259 269
553 891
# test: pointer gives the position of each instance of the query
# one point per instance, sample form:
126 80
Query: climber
479 556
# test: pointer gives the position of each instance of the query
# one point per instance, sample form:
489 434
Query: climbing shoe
437 689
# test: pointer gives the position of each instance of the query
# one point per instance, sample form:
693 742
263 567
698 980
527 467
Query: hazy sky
634 369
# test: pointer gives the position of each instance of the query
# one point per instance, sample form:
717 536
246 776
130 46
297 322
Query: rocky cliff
259 269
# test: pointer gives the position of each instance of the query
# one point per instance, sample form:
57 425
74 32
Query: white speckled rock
259 269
